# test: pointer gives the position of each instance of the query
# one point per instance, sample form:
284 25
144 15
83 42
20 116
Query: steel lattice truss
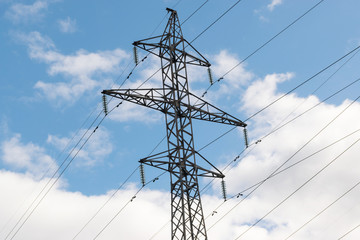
174 101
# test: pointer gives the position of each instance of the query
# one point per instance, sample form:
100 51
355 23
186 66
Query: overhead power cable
316 105
300 187
242 192
304 82
350 231
222 15
262 46
115 192
118 212
37 197
327 165
106 202
296 163
293 119
322 211
62 164
194 12
262 138
293 155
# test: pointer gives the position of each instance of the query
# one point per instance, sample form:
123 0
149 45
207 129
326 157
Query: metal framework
174 100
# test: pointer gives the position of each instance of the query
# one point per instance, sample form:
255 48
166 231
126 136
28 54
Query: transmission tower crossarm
151 98
154 98
203 110
159 44
163 161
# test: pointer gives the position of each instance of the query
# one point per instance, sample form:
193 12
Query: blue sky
57 56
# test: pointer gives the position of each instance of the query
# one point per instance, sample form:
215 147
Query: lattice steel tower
174 100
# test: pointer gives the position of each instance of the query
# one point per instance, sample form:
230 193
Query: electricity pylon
174 100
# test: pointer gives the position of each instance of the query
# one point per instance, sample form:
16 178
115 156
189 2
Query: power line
309 178
322 211
117 190
302 185
106 202
194 12
63 150
279 167
263 45
271 132
62 164
241 193
304 82
134 196
296 163
350 231
222 15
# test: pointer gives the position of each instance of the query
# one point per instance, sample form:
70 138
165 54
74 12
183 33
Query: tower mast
174 100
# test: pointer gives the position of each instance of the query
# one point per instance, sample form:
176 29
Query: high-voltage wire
105 203
350 231
222 15
301 186
132 199
194 12
273 131
308 179
242 192
264 44
279 167
304 82
258 141
322 211
296 163
61 165
105 110
308 110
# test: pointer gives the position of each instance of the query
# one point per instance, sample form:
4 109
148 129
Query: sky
67 171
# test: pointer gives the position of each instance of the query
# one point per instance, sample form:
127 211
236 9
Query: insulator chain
210 76
136 57
105 104
142 174
246 138
223 188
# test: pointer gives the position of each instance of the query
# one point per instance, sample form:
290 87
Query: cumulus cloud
281 146
95 151
83 70
64 213
67 25
274 3
148 210
28 157
24 13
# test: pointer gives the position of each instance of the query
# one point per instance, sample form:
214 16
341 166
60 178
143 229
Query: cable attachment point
223 188
210 76
105 104
136 57
246 138
142 174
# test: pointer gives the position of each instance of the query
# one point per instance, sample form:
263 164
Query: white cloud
22 13
67 25
280 146
150 209
95 151
274 3
29 157
62 214
84 70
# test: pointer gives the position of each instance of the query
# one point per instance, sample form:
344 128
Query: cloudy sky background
57 56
